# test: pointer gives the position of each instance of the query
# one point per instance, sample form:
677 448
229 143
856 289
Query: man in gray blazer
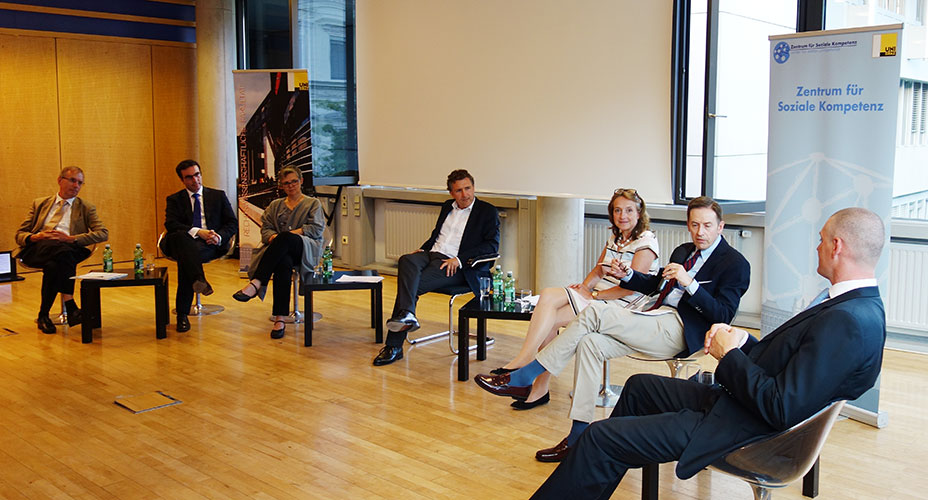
54 238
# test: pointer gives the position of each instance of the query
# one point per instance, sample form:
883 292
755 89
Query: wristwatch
595 294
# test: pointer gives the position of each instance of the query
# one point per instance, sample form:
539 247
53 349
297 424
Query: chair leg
201 309
296 316
62 318
608 393
761 493
449 332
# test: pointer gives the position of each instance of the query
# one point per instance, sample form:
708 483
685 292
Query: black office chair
486 261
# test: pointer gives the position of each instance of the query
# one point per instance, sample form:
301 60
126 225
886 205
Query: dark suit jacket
829 352
178 214
481 237
723 279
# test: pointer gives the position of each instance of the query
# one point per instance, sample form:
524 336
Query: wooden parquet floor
273 419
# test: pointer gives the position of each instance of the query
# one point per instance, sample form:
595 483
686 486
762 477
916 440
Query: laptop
8 267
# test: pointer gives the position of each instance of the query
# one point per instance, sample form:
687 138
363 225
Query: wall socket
344 240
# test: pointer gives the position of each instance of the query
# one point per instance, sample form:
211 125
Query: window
910 183
726 78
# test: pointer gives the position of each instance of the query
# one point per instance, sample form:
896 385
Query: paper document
359 279
99 275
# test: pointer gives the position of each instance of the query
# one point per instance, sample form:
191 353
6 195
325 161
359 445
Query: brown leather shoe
499 385
554 454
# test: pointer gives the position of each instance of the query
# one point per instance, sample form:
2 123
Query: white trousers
602 331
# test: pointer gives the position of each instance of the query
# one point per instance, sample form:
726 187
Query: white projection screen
539 97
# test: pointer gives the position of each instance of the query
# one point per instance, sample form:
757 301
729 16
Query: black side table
481 310
90 299
319 284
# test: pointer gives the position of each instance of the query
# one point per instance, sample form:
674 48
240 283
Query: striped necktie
672 283
56 219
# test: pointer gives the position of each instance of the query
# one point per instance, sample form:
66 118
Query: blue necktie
818 298
197 211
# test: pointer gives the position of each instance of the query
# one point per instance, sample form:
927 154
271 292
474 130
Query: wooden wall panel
29 155
105 107
175 119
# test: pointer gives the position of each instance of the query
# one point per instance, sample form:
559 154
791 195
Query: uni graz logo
781 52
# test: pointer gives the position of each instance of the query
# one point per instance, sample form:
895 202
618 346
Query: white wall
531 96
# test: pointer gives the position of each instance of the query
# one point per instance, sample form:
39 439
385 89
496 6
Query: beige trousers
602 331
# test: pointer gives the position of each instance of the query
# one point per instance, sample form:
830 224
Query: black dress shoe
403 323
388 355
501 370
242 297
278 333
499 385
183 324
528 405
556 453
75 317
202 287
46 325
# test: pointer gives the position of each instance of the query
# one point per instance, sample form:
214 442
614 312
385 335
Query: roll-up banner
272 123
832 137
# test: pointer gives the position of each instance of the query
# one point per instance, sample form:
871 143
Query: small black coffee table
320 284
481 310
90 299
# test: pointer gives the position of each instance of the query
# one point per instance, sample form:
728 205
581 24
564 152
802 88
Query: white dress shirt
65 225
452 230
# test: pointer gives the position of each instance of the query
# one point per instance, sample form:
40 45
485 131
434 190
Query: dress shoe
75 317
403 323
528 405
183 324
499 385
388 355
278 333
46 325
241 296
554 454
501 370
202 287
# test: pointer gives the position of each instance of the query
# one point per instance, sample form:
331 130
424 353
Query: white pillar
215 96
558 242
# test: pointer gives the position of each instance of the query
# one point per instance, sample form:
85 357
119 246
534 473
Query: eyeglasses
290 183
626 191
73 180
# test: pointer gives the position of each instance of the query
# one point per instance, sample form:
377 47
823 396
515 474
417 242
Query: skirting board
878 420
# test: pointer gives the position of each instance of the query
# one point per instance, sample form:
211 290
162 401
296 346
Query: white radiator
406 226
907 296
669 236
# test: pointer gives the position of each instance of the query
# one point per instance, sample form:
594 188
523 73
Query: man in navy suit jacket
466 228
702 285
829 352
199 224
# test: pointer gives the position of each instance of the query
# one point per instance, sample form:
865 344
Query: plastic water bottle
138 258
107 259
497 284
327 262
509 290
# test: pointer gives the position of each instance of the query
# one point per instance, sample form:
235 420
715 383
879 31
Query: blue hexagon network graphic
781 52
812 189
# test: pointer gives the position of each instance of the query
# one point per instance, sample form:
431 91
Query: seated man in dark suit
702 285
199 224
466 228
54 237
831 351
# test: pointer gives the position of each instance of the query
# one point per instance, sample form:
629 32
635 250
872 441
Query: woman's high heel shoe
278 333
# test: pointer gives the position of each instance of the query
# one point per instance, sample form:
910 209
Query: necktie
197 211
56 219
821 297
672 283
